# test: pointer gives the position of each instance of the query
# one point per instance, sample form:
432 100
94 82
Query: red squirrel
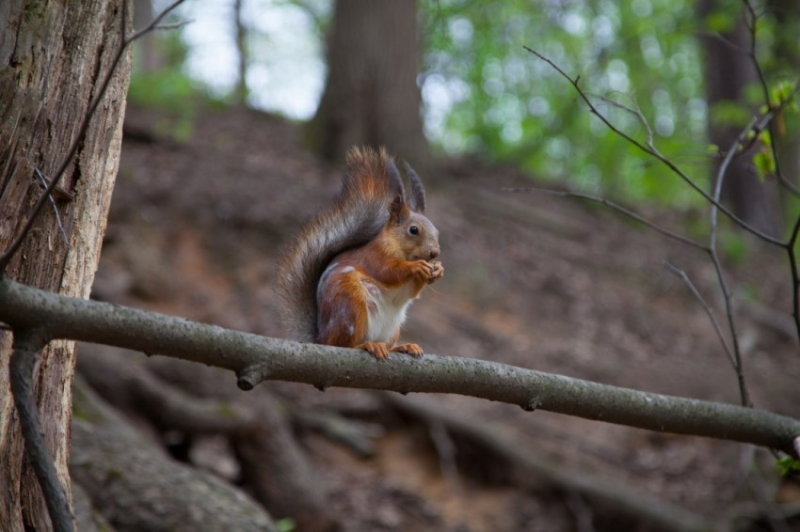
349 277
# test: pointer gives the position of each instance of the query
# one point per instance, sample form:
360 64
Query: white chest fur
386 310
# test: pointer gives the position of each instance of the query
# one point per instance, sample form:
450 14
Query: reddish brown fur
389 261
383 263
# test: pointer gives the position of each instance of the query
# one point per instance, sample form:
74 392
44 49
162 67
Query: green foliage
506 104
174 94
640 61
286 525
785 91
764 162
177 96
788 465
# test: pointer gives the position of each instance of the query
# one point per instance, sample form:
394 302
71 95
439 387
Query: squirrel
349 277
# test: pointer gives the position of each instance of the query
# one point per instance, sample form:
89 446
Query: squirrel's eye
414 230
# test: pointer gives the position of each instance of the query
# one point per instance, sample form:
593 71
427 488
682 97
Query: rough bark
137 487
728 71
371 96
52 54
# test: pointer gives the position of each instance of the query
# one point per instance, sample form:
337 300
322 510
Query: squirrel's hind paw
377 349
412 349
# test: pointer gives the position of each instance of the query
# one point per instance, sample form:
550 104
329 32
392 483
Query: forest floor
551 284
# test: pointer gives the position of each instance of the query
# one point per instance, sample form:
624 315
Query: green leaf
720 22
764 163
286 524
787 465
765 138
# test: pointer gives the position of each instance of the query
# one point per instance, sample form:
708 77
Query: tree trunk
241 92
371 95
148 53
53 54
728 70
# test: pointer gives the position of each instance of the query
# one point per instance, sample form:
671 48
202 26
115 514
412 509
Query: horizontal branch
258 358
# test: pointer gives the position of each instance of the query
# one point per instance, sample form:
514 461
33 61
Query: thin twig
727 42
41 178
790 250
76 143
615 206
27 344
635 112
712 246
655 153
700 299
752 26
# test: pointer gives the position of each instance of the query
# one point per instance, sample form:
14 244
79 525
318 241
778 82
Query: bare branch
635 112
790 250
655 153
696 293
619 208
723 283
257 358
61 230
27 344
9 253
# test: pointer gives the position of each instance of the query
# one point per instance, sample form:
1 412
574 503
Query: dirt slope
536 281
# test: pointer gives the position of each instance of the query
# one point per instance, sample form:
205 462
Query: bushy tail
357 216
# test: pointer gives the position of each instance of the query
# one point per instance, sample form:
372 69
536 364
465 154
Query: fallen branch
258 358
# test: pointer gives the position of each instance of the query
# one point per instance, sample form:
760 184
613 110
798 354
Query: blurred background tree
684 66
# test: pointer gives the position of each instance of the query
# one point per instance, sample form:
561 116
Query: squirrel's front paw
437 271
422 270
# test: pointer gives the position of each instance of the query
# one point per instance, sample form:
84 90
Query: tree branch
257 358
27 344
723 283
710 313
617 207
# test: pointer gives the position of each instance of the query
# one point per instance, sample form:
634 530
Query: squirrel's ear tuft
398 210
417 199
395 181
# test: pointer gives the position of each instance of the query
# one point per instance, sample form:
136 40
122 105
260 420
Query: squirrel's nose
434 253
